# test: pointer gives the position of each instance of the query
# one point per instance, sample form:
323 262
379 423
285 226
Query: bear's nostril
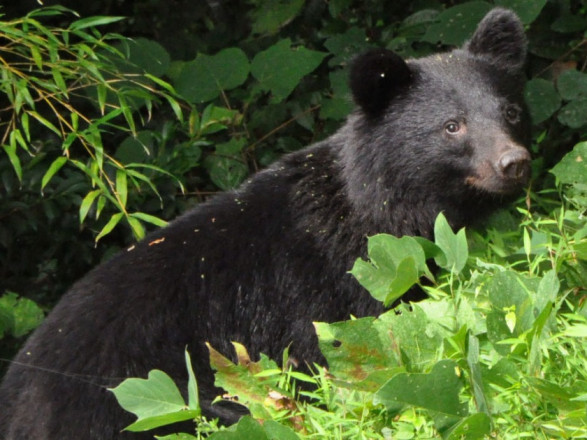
515 165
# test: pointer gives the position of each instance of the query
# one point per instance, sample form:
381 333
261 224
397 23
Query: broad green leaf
153 422
280 68
454 246
156 401
205 78
345 46
148 55
226 172
415 334
178 436
247 428
273 14
574 114
53 168
18 315
406 275
436 391
572 169
572 84
357 354
241 379
527 10
475 427
542 99
456 24
396 264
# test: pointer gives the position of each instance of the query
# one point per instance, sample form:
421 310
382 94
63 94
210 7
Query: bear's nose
514 164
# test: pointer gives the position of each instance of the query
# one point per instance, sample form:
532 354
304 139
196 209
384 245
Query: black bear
259 264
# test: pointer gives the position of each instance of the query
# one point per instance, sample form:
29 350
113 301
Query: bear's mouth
497 183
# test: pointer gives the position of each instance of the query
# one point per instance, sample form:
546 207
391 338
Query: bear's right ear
376 76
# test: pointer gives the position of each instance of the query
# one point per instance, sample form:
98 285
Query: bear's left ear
376 77
500 39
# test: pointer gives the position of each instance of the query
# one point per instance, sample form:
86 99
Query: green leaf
226 172
136 226
10 150
572 84
474 427
114 220
527 10
18 315
436 391
456 24
155 401
246 429
148 55
93 22
87 203
193 397
356 352
121 186
53 168
280 68
270 15
44 122
572 169
454 246
476 378
396 264
242 379
149 219
542 99
574 114
59 81
205 78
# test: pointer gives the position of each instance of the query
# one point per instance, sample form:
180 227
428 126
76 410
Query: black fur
259 264
374 78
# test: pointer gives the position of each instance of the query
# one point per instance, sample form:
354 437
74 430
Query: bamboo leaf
59 81
114 220
44 122
93 22
55 166
136 227
87 203
14 159
122 186
36 55
102 92
149 219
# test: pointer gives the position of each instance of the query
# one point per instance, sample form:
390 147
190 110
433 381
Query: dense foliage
105 136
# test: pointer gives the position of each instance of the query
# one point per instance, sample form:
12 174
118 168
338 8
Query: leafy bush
497 350
106 136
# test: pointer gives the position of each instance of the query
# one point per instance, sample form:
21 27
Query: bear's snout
514 165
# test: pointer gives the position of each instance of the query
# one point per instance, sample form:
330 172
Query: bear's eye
512 114
452 127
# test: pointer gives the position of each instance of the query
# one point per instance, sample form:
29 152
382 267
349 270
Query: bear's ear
376 76
500 39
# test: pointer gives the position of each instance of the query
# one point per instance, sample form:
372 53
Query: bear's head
446 132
